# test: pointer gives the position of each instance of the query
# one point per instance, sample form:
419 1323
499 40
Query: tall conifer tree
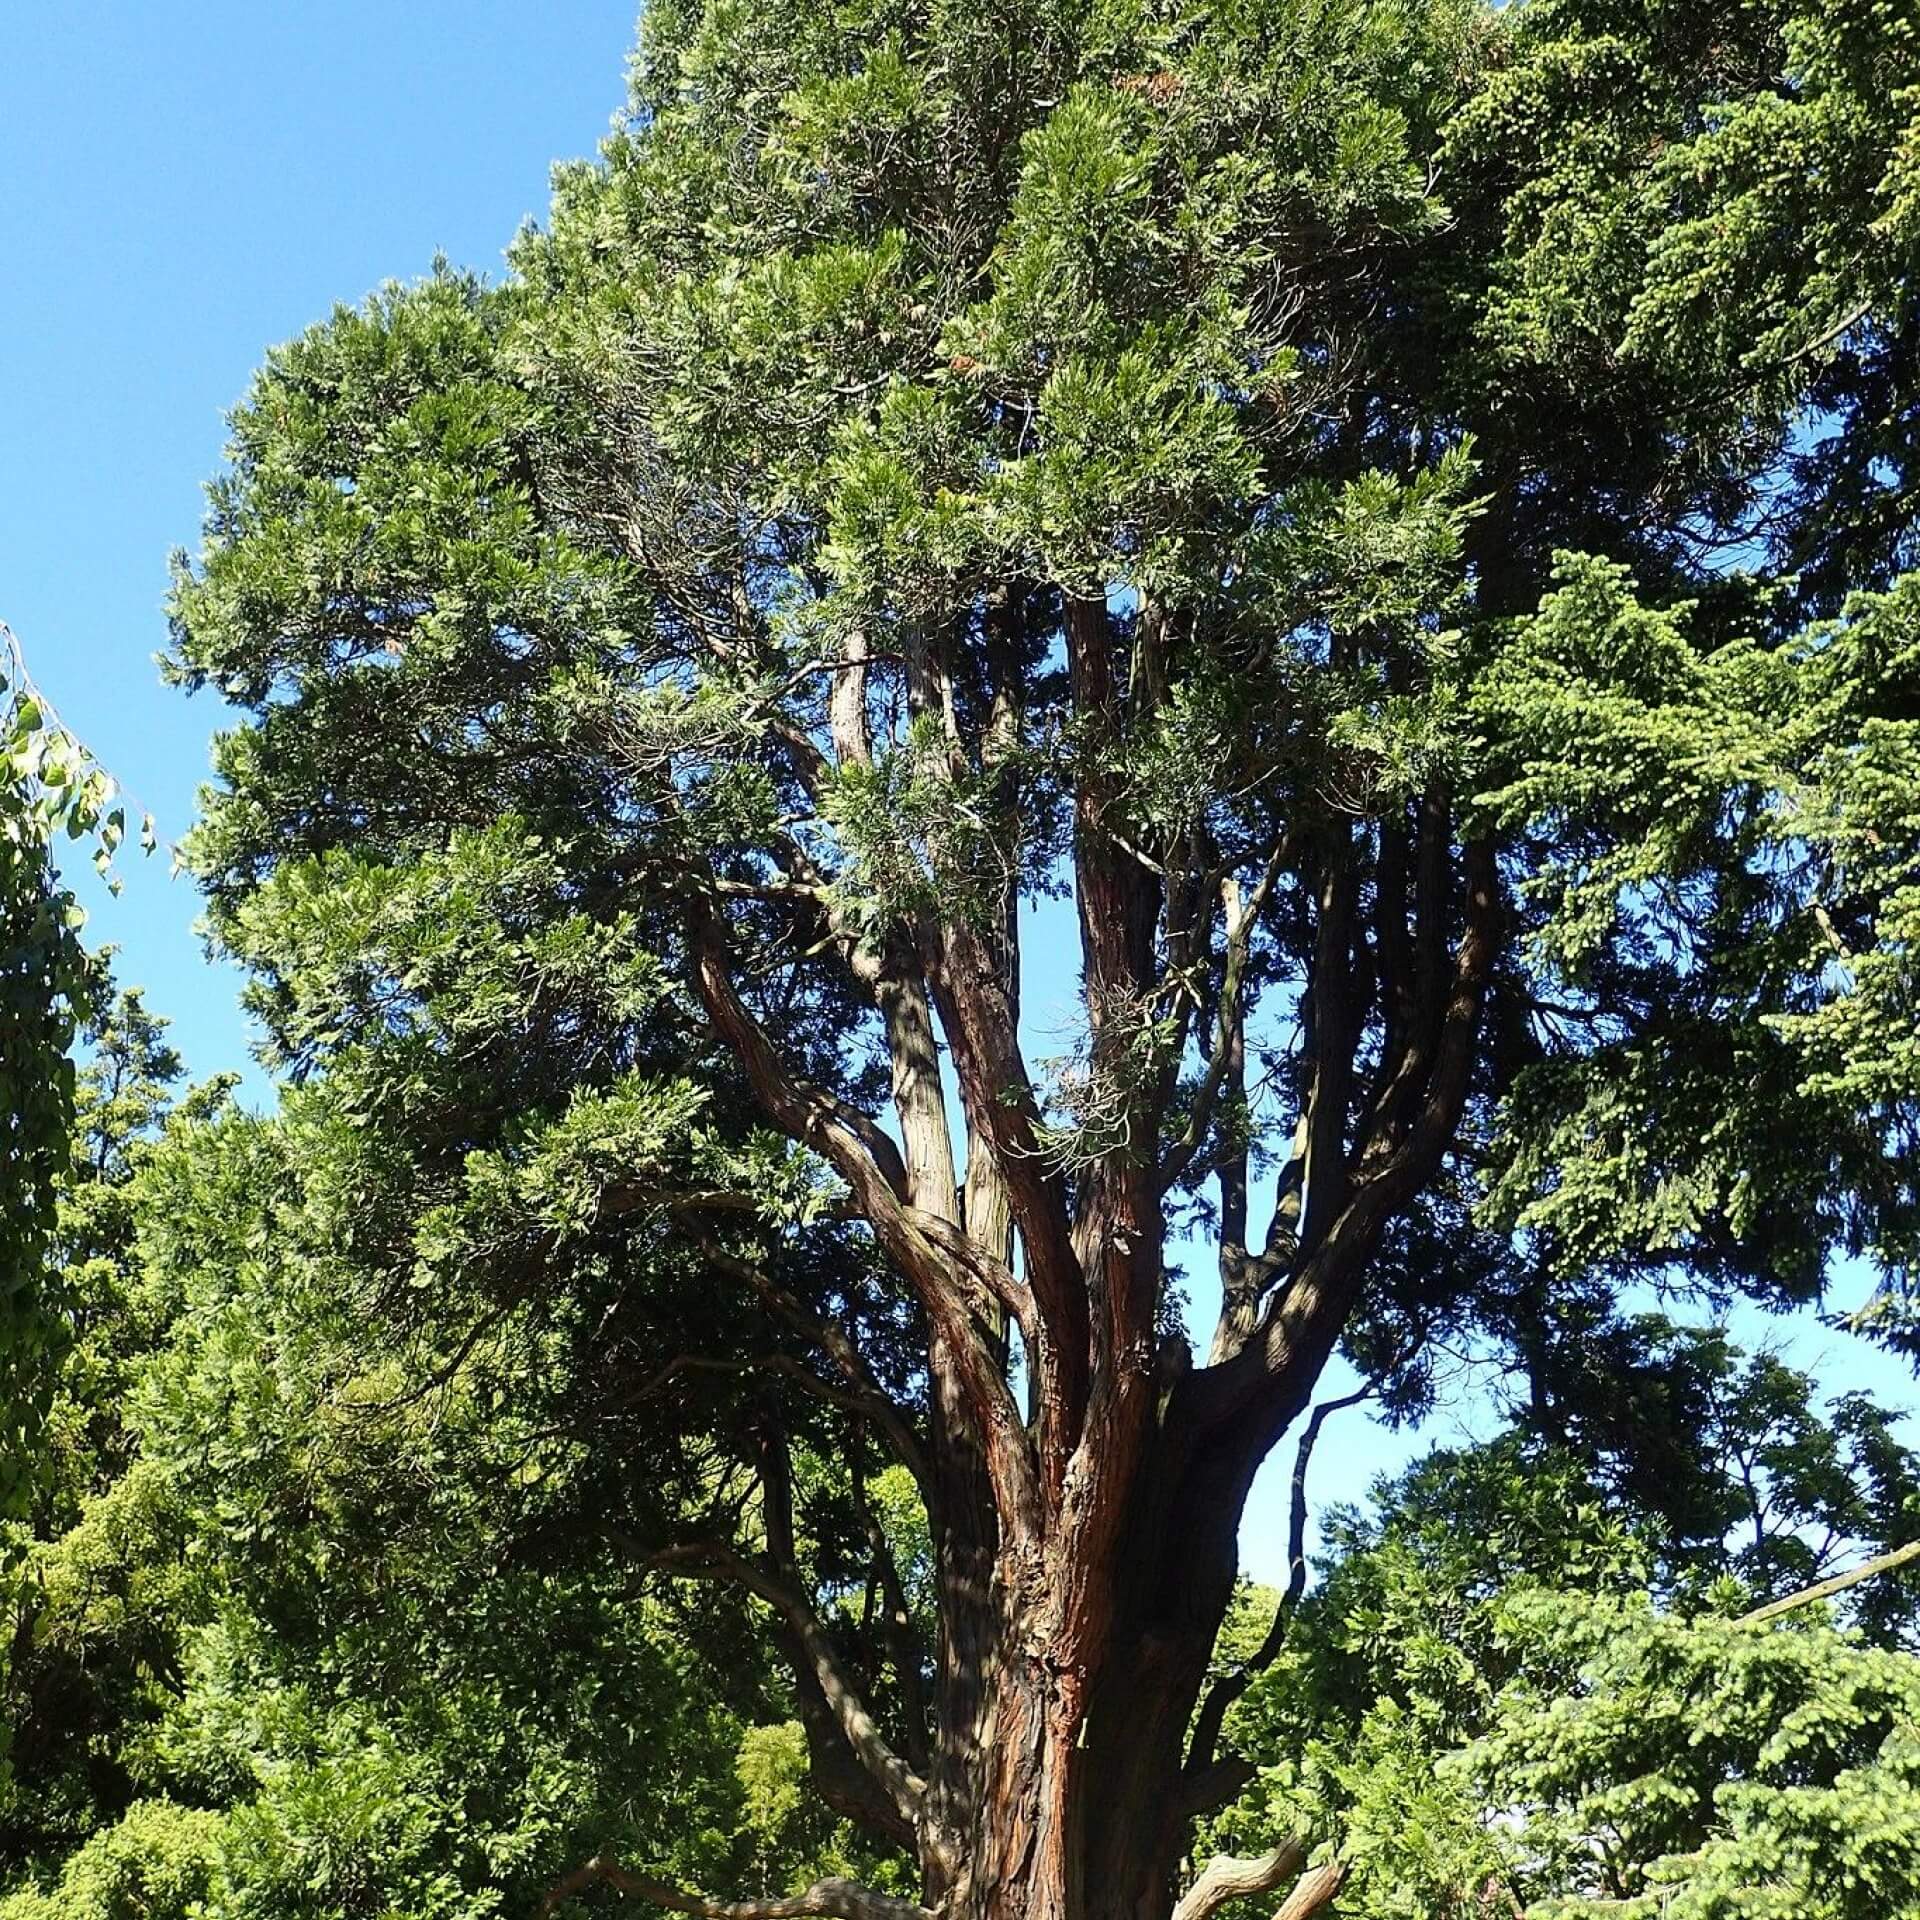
1381 527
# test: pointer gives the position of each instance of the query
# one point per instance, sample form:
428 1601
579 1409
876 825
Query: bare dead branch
1200 1767
1313 1891
1229 1877
1837 1583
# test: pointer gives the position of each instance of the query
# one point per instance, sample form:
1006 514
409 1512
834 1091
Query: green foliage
772 1765
99 1538
1796 760
294 1631
1437 479
1486 1703
842 346
158 1863
1705 1769
50 791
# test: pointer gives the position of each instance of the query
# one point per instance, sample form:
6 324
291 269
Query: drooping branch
831 1899
716 1560
1209 1782
865 1396
872 1407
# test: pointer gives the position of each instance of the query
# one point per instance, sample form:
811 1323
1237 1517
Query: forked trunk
1086 1540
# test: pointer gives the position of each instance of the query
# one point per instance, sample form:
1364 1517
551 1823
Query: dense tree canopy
292 1636
1367 548
284 1638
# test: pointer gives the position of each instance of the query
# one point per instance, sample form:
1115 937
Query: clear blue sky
186 185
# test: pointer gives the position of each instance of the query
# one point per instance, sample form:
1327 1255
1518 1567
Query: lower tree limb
1313 1891
1230 1878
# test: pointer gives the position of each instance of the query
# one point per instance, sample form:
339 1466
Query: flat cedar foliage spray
1381 530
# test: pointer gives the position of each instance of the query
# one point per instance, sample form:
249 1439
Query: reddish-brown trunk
1043 1840
1066 1784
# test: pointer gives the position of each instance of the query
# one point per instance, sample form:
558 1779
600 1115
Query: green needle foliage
1369 547
1516 1692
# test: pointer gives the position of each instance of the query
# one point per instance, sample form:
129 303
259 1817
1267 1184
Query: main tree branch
930 1254
1270 1380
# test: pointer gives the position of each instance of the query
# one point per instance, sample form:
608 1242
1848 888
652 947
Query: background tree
292 1628
1515 1691
1328 493
49 789
70 1702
